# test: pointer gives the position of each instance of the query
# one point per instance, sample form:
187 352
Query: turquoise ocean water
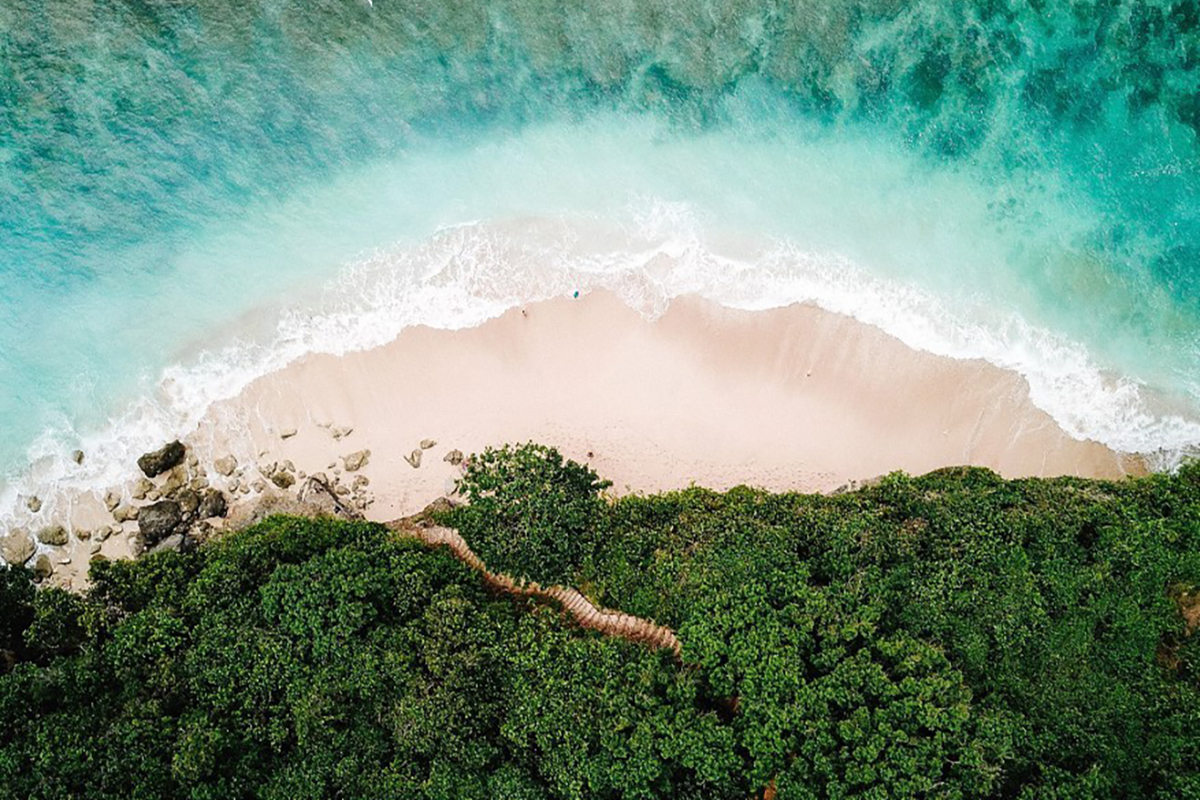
194 193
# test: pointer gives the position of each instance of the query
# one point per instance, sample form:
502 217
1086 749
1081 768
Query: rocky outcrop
17 547
165 458
159 520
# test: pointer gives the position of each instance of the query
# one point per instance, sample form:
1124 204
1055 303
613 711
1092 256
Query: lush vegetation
955 635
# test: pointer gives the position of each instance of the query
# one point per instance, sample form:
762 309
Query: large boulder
17 547
159 520
163 459
53 535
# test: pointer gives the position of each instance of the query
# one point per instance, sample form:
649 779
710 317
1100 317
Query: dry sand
790 399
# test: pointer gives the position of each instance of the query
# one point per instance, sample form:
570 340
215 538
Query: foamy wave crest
651 253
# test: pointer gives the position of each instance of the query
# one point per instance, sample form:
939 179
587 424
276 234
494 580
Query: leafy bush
954 635
532 514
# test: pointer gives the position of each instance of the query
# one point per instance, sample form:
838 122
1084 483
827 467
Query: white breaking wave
653 252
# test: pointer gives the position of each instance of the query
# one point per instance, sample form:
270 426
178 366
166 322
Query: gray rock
225 466
212 504
102 533
112 499
77 456
141 488
282 479
454 457
83 534
17 547
342 432
137 545
360 482
287 433
43 567
93 548
163 459
193 461
414 459
158 521
268 469
34 504
428 443
172 542
152 495
53 535
356 460
289 466
258 486
234 485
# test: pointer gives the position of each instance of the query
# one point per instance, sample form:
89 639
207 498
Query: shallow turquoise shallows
192 193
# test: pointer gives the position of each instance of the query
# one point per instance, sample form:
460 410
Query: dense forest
953 635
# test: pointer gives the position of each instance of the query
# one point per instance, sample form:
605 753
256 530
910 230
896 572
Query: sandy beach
795 398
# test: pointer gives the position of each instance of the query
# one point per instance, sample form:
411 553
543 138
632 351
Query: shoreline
789 399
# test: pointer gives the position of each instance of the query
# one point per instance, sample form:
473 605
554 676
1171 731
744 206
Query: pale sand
789 399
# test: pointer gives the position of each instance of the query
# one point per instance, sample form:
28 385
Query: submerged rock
163 459
356 460
34 504
77 456
17 547
225 465
159 520
53 535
